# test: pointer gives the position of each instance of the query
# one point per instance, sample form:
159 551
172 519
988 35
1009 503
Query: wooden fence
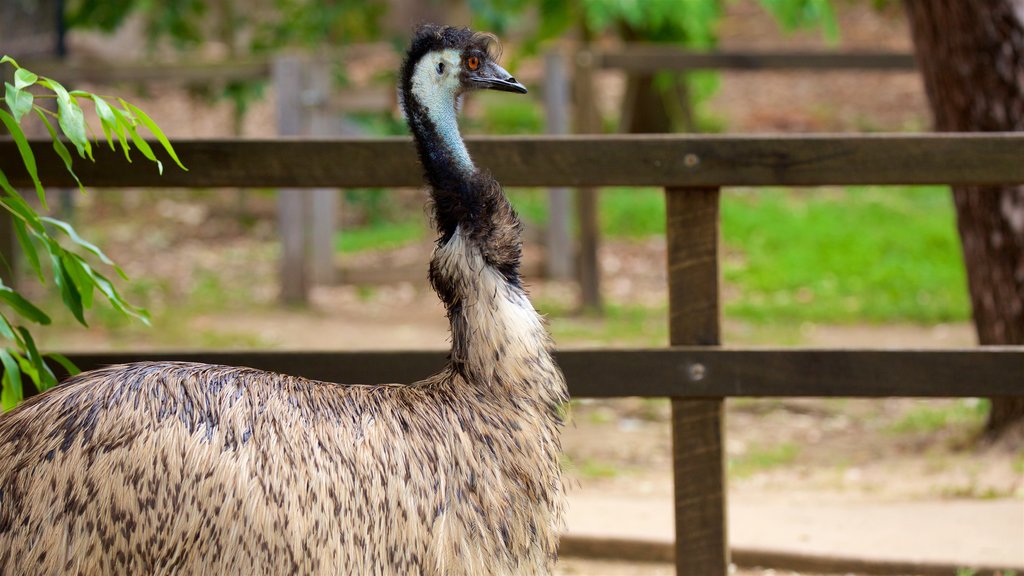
646 59
695 372
307 105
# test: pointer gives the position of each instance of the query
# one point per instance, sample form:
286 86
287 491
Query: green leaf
59 147
16 205
28 367
12 392
7 59
107 288
68 291
18 100
28 248
67 229
23 78
70 117
143 147
43 376
27 157
124 125
5 329
23 306
108 121
149 123
5 185
75 267
63 360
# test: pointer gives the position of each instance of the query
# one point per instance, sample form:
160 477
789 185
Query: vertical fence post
556 108
324 201
291 203
588 121
697 424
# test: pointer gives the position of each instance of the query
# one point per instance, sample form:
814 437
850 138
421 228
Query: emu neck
499 344
442 151
445 120
498 339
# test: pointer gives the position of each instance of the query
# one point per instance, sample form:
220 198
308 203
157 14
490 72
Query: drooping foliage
55 252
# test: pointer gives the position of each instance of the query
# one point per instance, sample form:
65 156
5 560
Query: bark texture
971 56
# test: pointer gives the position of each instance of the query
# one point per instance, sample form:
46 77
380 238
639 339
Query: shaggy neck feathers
497 337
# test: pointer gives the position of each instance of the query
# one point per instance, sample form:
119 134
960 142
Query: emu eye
472 62
440 67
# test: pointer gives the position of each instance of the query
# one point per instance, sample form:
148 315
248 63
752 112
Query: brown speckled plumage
177 468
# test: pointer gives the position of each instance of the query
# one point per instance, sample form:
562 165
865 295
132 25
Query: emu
181 468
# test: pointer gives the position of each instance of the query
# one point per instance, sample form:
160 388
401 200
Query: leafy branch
40 236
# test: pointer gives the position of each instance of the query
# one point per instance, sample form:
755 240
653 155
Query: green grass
762 458
620 325
837 255
379 236
930 419
590 469
859 254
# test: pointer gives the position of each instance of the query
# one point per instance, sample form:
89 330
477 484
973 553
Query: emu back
187 469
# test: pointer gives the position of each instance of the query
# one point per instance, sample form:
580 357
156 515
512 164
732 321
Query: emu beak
494 77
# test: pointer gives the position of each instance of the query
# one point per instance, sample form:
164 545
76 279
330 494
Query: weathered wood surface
698 424
293 210
587 120
560 249
652 373
651 58
70 73
586 160
650 550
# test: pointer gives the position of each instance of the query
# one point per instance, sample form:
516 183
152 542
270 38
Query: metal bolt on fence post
696 371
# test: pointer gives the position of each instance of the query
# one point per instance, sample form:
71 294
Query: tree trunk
971 56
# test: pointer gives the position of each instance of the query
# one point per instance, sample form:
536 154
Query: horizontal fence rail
651 58
628 160
180 72
695 372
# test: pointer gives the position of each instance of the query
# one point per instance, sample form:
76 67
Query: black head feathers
432 37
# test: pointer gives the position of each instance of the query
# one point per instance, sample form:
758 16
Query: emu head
444 62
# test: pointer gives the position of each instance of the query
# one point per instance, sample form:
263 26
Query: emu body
177 468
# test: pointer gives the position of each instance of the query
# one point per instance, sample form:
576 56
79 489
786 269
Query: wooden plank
698 424
70 73
587 121
794 372
652 58
620 160
651 550
559 251
652 373
347 367
324 225
293 210
364 99
833 564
